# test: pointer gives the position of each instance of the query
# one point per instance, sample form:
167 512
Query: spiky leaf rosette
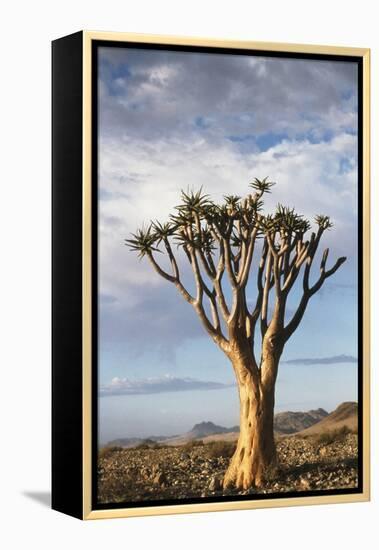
262 186
323 222
143 242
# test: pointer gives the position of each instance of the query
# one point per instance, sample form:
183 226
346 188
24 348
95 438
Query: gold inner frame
88 513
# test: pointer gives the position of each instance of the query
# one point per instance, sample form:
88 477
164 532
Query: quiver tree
224 245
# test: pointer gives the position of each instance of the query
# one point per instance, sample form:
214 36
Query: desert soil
136 475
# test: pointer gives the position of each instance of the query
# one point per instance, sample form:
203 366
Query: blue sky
170 121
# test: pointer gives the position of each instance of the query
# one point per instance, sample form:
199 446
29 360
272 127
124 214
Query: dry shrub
220 449
193 444
106 452
326 438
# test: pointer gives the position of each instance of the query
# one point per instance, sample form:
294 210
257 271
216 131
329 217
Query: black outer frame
67 414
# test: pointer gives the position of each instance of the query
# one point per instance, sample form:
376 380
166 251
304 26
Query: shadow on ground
41 497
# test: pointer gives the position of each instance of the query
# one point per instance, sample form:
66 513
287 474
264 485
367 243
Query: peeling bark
254 459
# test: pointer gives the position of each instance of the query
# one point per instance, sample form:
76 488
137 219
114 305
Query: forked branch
223 238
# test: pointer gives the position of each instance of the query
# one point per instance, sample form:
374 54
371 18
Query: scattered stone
323 451
160 478
305 484
214 484
168 473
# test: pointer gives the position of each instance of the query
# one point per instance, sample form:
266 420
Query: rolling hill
345 414
292 422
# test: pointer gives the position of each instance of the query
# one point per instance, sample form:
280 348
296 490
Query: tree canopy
219 239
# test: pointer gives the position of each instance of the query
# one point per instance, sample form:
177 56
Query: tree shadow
41 497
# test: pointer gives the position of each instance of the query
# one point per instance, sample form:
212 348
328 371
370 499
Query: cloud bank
168 383
334 360
149 94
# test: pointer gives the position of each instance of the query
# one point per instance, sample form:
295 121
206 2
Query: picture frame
76 262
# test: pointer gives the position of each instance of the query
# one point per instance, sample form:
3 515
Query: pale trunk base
255 455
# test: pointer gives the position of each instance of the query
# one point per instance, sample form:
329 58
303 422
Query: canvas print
228 275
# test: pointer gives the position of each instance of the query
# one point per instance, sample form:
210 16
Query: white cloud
308 175
150 148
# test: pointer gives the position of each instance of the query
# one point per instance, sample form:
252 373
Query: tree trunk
255 455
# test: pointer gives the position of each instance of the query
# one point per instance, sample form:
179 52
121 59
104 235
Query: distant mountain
291 422
203 429
285 423
134 441
345 414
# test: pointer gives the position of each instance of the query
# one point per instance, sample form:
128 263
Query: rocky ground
306 464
